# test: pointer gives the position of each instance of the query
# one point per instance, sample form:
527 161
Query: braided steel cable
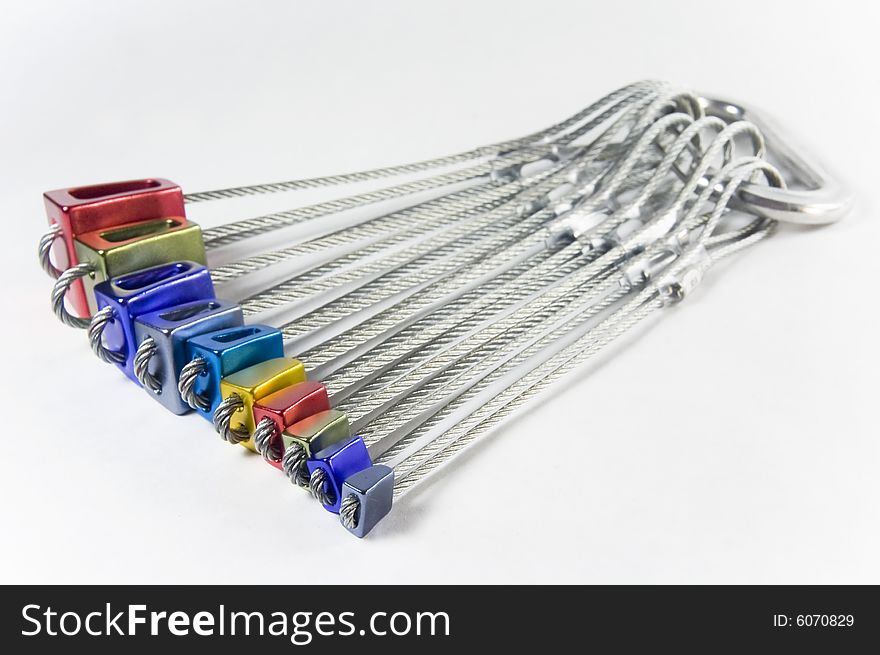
420 394
186 384
423 335
59 292
44 250
409 399
394 228
406 311
405 269
293 463
441 327
232 232
637 89
345 178
473 214
350 511
319 488
413 440
425 359
100 320
316 487
415 466
144 362
413 469
400 278
296 216
222 419
263 438
593 153
409 278
224 235
349 268
318 352
421 360
146 350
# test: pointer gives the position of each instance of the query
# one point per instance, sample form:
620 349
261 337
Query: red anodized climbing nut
79 210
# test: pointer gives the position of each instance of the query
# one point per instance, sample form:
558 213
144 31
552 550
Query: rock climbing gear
406 334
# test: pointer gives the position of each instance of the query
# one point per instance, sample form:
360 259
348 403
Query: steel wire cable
422 335
282 218
379 396
489 414
232 232
445 325
409 277
460 435
415 466
601 142
478 214
548 300
234 271
408 404
408 310
312 486
184 391
626 108
635 89
394 228
380 429
401 263
313 322
302 327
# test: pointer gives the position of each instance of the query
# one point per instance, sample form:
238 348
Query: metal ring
349 511
96 337
293 463
45 251
187 385
59 291
318 487
264 440
223 420
141 365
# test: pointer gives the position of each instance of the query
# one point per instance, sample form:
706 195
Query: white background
735 440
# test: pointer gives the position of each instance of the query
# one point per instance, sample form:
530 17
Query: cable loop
187 385
59 291
293 463
264 440
228 408
349 511
45 251
318 487
100 321
141 365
